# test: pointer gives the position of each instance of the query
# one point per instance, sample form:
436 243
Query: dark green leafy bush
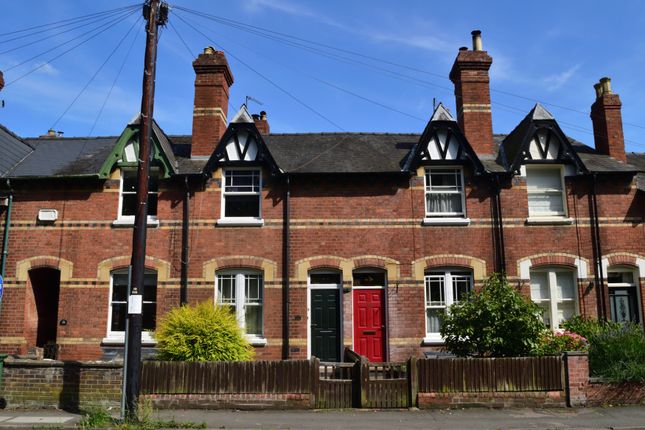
617 353
204 332
496 321
586 326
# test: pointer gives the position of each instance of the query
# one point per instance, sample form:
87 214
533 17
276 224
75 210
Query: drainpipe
500 220
595 224
183 290
285 269
5 238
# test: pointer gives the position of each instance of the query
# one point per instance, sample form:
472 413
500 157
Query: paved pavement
618 418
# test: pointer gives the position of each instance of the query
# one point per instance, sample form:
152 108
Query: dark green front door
325 324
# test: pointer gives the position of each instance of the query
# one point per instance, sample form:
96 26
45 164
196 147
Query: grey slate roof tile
13 150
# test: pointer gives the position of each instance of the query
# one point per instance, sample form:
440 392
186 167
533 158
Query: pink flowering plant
556 343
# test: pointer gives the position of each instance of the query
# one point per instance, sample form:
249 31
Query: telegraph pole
155 13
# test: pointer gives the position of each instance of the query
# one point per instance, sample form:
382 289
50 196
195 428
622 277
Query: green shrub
556 343
204 332
496 321
587 326
617 353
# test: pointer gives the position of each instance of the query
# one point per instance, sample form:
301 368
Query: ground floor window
623 294
442 289
119 280
242 291
554 290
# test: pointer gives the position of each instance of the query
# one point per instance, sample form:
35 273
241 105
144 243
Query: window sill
256 340
129 222
445 221
549 220
432 340
240 222
119 339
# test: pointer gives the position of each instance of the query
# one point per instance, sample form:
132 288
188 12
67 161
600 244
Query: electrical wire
103 30
274 84
104 25
265 32
329 84
70 21
125 59
118 45
49 36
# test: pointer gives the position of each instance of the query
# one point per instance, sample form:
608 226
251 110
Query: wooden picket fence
356 382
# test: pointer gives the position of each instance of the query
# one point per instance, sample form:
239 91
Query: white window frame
635 284
552 300
128 220
240 221
550 217
444 218
118 337
448 296
240 300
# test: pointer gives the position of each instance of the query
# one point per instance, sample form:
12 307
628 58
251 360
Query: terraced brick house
321 240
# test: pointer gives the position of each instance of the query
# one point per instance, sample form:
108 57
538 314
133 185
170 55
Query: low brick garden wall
63 385
517 399
244 401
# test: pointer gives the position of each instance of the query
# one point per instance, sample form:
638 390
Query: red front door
369 324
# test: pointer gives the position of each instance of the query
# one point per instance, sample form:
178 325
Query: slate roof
301 153
12 150
54 156
638 160
340 152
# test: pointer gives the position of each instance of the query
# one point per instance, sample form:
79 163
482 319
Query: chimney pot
606 85
263 115
477 40
463 48
51 132
209 50
598 88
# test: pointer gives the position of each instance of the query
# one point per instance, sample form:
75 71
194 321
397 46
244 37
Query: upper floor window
242 291
554 289
545 187
242 195
444 192
119 304
442 289
128 196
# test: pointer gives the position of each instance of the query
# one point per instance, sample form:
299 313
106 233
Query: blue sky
552 51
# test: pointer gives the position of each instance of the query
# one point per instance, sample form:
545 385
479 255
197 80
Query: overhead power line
116 78
118 45
49 35
274 84
69 21
281 36
103 28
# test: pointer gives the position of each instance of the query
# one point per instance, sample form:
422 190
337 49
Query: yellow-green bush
203 332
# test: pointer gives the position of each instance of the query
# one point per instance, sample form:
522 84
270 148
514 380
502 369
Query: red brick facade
338 222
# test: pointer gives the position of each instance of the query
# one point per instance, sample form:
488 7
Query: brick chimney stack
261 122
608 121
213 79
472 92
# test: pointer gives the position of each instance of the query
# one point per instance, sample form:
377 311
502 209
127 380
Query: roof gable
443 142
126 150
538 139
241 145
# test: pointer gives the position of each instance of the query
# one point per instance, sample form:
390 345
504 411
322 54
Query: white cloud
553 82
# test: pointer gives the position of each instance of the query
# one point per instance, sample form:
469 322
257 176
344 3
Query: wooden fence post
413 381
364 380
315 381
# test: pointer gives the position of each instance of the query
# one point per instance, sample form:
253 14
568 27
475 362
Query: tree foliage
203 332
496 321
